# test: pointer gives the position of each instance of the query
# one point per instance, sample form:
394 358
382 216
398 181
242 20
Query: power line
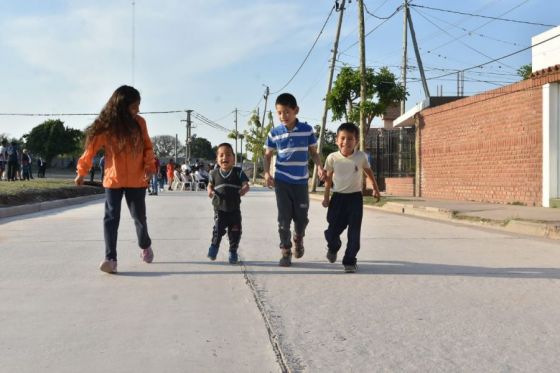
366 35
482 16
456 39
209 122
81 114
378 17
308 53
500 58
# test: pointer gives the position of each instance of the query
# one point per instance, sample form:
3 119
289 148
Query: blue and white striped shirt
292 151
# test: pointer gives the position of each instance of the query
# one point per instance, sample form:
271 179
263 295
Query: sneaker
286 259
331 256
108 266
299 250
147 255
350 268
212 252
233 257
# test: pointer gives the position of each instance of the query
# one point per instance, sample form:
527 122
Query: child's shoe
331 256
147 255
212 252
233 257
286 259
299 250
350 268
108 266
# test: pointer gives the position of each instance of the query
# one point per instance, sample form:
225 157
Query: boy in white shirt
345 208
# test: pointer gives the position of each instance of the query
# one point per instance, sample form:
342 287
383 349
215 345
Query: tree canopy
202 149
382 90
525 71
52 138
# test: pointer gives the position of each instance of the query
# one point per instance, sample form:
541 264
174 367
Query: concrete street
428 296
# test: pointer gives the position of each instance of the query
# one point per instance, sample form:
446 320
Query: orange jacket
124 169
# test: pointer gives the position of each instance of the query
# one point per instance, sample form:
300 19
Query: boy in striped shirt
294 142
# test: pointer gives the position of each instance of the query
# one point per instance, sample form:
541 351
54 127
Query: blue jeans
292 201
154 184
136 202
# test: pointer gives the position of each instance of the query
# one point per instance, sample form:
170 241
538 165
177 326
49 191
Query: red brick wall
486 147
399 186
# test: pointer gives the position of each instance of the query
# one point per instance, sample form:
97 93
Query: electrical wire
482 16
499 58
308 53
382 18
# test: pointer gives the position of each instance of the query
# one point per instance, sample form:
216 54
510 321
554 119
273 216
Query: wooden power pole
362 74
329 86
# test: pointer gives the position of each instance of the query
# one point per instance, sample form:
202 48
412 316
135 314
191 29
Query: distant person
102 166
294 142
170 173
162 175
129 165
227 184
154 180
345 208
12 153
92 173
41 167
25 165
2 159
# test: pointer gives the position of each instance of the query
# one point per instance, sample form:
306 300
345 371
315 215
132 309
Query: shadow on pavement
364 268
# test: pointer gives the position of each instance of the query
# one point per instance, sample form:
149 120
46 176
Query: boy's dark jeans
230 220
136 202
293 204
345 210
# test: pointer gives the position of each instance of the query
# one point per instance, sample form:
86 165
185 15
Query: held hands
268 180
321 173
79 180
210 192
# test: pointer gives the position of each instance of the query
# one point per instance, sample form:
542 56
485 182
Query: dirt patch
41 195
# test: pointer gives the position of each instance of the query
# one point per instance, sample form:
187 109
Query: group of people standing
130 165
16 164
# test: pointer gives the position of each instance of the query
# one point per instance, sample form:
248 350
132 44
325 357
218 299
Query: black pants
293 204
136 202
230 220
345 210
12 170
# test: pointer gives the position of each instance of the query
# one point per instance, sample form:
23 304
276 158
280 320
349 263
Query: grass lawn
38 190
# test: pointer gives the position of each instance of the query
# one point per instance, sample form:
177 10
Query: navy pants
293 204
136 202
345 211
230 221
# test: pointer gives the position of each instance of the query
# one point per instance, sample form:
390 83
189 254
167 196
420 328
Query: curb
7 212
531 228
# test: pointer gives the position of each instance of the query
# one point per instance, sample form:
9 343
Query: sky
214 56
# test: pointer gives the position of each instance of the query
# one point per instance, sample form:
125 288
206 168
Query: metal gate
392 153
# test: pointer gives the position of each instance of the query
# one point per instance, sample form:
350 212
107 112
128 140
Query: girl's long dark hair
115 120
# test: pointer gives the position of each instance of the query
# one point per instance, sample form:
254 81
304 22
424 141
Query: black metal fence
392 153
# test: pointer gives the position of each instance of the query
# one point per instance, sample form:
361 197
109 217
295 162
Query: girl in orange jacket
129 164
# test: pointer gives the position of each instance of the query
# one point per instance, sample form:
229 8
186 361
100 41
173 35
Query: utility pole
176 141
362 74
329 86
404 59
418 58
188 139
236 135
266 93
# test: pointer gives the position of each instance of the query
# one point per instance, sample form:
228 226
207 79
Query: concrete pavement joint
272 336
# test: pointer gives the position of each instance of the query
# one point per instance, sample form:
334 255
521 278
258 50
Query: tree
255 138
164 147
202 148
382 90
234 135
525 71
52 138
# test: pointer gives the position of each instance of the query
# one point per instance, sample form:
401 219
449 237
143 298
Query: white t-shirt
348 171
